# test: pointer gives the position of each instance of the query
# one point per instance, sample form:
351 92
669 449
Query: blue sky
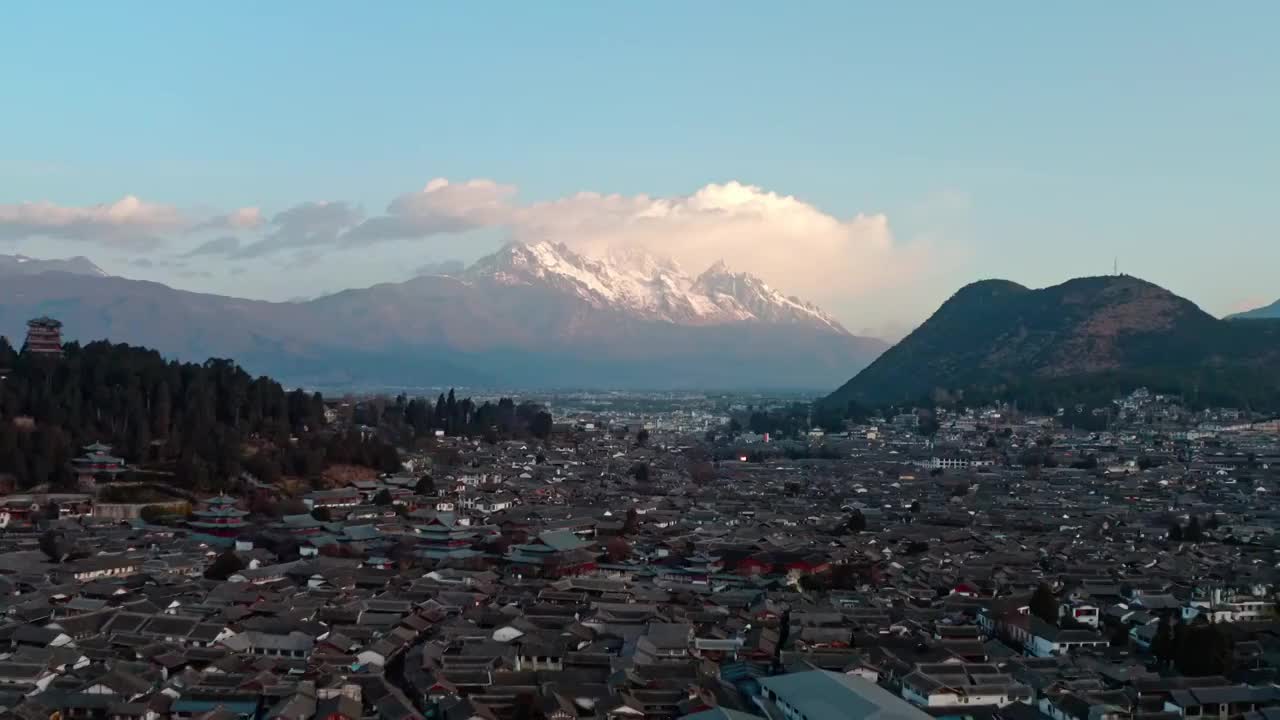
1021 140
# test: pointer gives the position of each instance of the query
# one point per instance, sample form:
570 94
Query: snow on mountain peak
640 283
24 265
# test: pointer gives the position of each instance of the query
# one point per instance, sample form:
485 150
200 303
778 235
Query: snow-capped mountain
647 286
747 294
23 265
527 316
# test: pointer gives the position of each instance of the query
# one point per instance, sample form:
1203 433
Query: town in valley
613 555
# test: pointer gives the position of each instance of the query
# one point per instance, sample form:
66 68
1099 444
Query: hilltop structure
219 517
44 336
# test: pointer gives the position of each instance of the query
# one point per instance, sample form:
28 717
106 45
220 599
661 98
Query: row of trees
152 410
311 454
416 417
1197 649
1193 531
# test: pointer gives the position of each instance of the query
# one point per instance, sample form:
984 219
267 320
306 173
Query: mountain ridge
1266 312
23 265
495 324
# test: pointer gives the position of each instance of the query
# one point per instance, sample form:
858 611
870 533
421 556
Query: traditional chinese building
218 517
441 539
552 554
44 337
97 460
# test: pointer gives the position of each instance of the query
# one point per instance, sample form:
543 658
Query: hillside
186 419
527 316
1077 341
1266 312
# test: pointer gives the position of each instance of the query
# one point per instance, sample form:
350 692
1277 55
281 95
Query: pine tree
1164 645
1193 532
224 566
1044 604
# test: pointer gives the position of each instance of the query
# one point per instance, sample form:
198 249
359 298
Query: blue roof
239 707
819 695
721 714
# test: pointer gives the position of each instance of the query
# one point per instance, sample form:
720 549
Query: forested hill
193 418
198 426
1083 341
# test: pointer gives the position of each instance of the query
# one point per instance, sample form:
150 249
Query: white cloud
792 244
221 245
308 225
789 242
439 208
246 218
852 266
128 223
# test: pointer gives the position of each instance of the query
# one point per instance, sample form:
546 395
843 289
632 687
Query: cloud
309 225
839 262
223 245
247 218
128 223
444 267
442 207
790 243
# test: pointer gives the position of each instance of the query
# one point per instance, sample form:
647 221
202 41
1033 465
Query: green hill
1081 341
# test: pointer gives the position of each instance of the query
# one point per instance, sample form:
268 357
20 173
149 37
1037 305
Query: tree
322 514
51 544
383 498
541 425
856 523
425 486
928 425
702 472
640 471
1044 604
642 437
1163 646
224 566
1203 648
1175 532
828 416
1119 635
915 507
1193 532
618 549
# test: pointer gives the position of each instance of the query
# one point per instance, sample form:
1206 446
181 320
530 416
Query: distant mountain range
1080 341
11 265
1268 312
536 315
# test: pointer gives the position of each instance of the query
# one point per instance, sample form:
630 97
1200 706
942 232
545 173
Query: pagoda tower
44 337
219 517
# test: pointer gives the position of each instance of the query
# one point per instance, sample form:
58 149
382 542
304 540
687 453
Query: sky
871 157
